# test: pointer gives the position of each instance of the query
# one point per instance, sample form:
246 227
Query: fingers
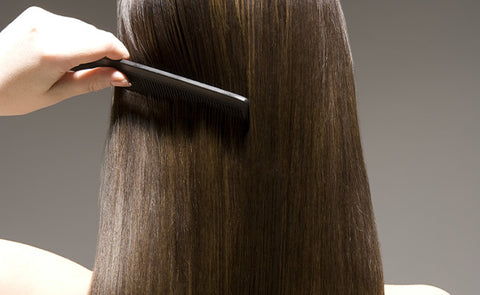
81 82
65 42
37 51
97 45
113 48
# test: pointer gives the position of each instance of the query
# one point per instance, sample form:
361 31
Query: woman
284 208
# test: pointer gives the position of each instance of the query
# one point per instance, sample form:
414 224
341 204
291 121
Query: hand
37 51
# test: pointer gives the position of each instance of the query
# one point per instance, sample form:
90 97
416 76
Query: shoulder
413 290
27 269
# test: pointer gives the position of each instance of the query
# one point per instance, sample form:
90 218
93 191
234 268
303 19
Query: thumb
81 82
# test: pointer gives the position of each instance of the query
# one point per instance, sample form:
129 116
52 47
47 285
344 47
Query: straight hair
191 204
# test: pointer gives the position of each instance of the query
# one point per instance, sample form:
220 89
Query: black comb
153 82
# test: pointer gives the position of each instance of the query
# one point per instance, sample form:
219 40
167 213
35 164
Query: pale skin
27 270
38 50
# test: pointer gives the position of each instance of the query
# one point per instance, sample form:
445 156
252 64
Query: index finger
69 42
100 44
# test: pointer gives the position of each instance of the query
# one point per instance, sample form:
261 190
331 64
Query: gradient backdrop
417 74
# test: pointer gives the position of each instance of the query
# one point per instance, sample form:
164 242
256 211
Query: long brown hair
191 205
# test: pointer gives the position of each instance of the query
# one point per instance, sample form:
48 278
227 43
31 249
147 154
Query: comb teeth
155 89
156 83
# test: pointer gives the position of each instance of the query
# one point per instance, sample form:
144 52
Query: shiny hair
191 205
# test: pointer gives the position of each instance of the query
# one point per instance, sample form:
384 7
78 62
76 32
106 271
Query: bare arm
413 290
29 270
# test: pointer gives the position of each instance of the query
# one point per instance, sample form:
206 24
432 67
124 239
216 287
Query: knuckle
33 10
33 15
31 18
111 41
111 36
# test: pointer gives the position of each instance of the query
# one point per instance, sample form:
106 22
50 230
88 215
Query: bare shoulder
413 290
26 269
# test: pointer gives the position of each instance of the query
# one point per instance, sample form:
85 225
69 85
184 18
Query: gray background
417 78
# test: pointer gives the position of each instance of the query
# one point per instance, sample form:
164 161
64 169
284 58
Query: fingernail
119 80
123 83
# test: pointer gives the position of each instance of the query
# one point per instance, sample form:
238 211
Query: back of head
190 204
